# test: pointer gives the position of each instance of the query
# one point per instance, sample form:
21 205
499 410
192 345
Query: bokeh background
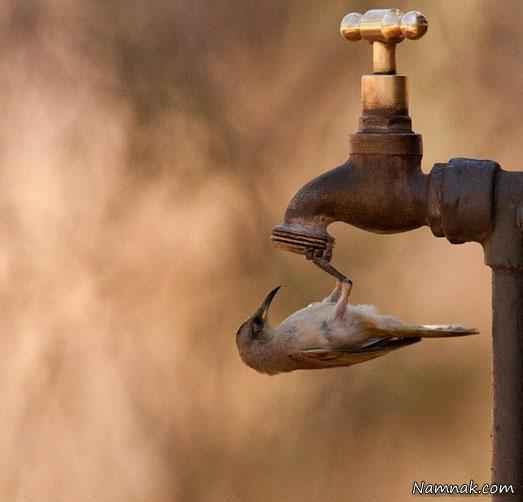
147 148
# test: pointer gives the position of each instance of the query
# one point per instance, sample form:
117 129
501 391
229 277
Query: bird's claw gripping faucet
382 189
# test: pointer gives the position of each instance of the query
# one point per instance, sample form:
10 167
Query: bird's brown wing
312 359
331 358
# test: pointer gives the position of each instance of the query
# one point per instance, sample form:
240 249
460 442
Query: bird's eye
257 326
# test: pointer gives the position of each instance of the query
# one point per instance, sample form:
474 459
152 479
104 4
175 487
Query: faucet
381 188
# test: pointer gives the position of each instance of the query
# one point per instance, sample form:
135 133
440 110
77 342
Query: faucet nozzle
301 239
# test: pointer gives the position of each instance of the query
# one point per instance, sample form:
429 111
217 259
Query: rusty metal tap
381 188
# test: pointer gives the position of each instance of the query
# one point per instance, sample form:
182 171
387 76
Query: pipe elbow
318 202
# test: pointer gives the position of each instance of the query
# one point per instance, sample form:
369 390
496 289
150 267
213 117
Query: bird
328 334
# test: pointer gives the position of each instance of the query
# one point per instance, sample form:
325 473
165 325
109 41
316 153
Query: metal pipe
507 351
504 254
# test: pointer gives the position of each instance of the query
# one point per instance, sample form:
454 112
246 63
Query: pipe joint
461 200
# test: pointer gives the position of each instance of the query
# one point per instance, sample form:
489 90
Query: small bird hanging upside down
328 334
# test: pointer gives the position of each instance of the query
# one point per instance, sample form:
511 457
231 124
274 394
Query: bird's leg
343 300
324 264
335 294
343 284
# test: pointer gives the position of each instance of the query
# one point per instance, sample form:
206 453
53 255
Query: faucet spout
380 188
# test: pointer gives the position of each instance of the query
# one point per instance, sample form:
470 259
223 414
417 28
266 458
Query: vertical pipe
507 302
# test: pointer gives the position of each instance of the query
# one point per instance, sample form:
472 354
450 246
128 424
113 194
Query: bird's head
254 331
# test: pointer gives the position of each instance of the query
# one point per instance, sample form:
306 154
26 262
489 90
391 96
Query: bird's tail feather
433 331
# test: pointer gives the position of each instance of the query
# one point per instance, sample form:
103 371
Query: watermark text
470 488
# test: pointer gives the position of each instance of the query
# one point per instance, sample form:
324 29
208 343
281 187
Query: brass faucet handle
384 28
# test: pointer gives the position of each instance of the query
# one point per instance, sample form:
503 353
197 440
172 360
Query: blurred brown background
147 149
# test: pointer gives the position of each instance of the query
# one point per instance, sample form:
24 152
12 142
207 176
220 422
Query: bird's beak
264 308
